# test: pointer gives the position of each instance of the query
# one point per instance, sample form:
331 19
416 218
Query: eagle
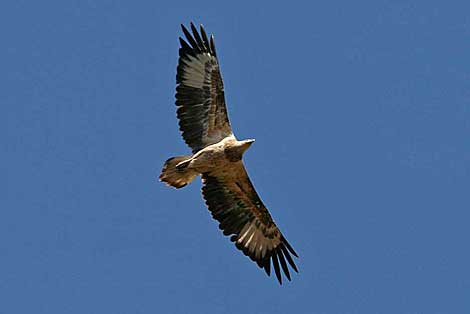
217 158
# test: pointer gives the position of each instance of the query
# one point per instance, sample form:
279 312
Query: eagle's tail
175 172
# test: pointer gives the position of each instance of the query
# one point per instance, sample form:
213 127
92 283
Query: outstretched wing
233 202
202 113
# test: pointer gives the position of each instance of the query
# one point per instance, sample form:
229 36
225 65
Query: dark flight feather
200 92
233 201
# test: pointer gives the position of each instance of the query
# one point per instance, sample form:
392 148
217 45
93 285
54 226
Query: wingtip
289 247
185 30
193 28
212 44
282 260
277 269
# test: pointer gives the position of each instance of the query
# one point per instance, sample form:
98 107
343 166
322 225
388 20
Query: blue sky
361 113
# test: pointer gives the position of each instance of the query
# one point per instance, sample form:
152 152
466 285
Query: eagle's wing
233 201
202 113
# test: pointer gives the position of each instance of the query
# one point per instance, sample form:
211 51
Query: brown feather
200 92
233 201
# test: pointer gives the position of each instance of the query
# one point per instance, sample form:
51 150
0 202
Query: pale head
235 151
245 144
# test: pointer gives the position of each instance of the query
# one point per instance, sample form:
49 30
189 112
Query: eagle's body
217 158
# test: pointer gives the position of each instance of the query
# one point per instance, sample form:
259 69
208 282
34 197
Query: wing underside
234 203
200 99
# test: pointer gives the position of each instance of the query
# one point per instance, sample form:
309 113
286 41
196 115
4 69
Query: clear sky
361 112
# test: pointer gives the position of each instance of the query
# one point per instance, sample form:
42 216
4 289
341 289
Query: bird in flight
217 158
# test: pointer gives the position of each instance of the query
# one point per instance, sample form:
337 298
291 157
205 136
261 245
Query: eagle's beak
246 144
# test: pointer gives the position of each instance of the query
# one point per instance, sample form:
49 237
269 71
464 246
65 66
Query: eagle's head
245 144
235 151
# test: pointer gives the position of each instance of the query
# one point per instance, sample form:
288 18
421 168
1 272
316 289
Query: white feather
248 228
